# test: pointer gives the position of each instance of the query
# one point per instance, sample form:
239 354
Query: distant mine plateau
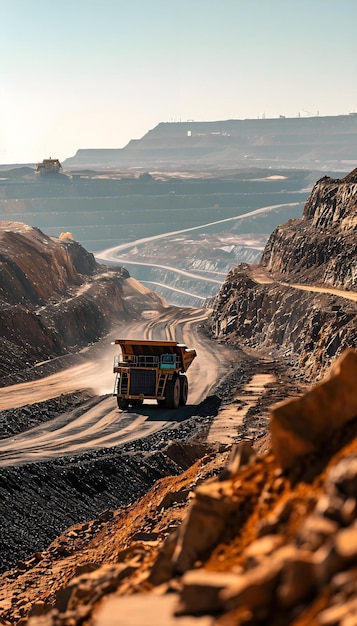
186 202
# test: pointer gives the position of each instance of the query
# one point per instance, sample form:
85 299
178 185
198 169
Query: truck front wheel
172 393
122 403
137 403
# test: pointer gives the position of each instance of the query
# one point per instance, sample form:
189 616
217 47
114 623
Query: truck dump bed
156 354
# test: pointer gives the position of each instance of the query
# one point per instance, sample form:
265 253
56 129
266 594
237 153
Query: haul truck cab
151 370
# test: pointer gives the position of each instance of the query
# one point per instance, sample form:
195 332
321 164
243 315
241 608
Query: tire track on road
100 423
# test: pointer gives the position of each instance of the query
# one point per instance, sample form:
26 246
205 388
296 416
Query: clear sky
97 73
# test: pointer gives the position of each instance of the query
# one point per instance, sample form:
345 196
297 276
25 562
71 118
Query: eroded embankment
308 328
56 299
321 247
297 301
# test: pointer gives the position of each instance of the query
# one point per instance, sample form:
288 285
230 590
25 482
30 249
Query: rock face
295 299
27 254
321 247
54 297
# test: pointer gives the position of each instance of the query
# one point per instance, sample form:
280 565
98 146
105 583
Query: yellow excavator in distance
48 166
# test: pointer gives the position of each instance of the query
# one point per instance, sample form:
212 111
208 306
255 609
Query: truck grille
142 382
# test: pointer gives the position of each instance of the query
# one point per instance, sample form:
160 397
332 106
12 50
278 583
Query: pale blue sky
97 73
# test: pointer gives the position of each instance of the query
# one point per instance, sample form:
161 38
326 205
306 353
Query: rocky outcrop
299 300
302 550
310 329
321 247
298 424
55 298
35 267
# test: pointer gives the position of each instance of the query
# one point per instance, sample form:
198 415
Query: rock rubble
259 543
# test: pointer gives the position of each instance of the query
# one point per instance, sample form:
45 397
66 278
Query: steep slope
55 298
321 247
301 298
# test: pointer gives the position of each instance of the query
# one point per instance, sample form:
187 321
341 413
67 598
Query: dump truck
152 370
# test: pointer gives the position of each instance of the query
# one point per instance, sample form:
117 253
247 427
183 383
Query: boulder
298 424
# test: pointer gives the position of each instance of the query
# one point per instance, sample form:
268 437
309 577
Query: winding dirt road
121 254
100 424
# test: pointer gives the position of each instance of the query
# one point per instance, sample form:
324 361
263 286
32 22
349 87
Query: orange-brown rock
297 425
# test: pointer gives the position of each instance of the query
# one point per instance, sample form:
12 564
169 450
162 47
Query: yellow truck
48 166
152 370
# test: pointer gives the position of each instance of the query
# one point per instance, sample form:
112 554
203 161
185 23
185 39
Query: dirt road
260 275
133 255
99 423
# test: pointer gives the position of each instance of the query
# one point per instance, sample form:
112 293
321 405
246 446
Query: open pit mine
235 508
